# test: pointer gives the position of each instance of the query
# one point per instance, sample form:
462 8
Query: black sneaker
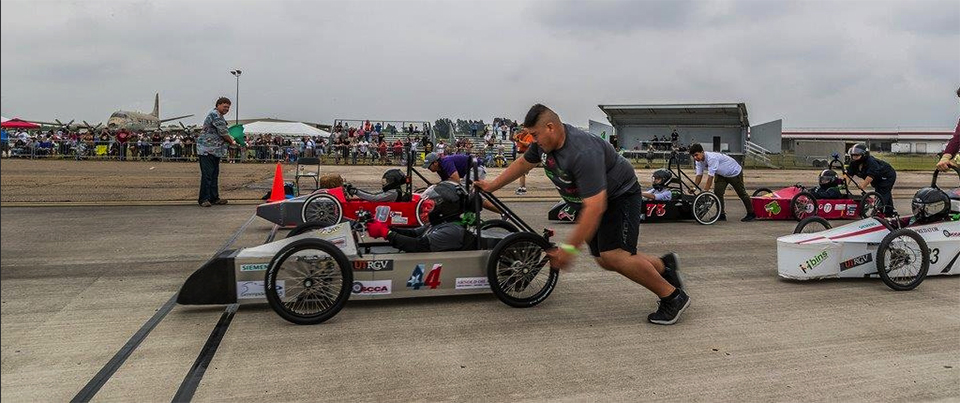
723 217
749 217
671 271
669 311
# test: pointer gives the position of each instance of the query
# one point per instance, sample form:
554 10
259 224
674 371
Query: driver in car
659 190
829 185
444 233
392 182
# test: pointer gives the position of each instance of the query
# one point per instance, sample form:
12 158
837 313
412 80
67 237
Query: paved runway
78 282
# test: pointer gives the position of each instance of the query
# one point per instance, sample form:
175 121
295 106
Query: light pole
236 73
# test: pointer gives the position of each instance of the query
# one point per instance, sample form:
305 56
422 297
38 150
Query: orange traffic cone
277 193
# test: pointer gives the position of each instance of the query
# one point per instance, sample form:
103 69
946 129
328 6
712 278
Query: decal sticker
852 209
656 209
472 283
827 208
373 265
398 218
857 261
949 234
378 287
432 279
254 289
773 208
339 242
927 229
934 255
813 262
254 267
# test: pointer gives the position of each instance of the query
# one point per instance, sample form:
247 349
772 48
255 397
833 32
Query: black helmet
664 176
828 178
859 149
393 179
930 204
449 201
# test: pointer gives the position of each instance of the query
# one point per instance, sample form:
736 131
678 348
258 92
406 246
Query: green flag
236 131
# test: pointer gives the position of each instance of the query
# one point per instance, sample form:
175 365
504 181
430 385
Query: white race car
900 251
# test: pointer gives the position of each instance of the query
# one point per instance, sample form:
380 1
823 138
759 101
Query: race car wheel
322 208
706 208
803 205
812 224
306 227
308 281
518 270
870 204
761 192
423 210
502 227
903 259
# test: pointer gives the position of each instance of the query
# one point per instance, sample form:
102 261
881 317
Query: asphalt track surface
78 282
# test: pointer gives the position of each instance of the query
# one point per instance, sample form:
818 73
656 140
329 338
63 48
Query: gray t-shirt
584 166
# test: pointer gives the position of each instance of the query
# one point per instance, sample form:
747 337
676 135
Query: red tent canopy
19 124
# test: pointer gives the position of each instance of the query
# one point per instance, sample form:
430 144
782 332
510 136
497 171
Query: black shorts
619 226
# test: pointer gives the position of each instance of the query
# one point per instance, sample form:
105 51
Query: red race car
797 202
331 206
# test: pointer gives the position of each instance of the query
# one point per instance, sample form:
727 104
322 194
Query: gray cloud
811 63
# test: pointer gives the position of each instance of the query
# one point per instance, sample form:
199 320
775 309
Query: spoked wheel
870 205
761 192
424 206
322 208
903 259
518 270
706 208
812 224
803 205
498 227
308 281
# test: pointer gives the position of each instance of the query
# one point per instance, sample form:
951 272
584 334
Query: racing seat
303 171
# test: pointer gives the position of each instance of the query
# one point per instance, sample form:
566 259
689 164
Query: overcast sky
814 64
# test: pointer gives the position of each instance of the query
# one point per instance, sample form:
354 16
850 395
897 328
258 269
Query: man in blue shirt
211 145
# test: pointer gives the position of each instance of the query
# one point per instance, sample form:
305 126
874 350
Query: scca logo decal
371 287
949 234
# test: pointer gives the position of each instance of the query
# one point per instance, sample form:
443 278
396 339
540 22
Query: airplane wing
176 118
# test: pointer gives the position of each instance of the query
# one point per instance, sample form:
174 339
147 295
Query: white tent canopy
286 129
3 119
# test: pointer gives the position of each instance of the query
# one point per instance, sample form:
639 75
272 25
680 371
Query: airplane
129 120
139 121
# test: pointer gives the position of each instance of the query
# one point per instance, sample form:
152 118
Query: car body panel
776 206
289 212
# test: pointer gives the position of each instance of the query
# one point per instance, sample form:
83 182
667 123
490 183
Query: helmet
828 178
663 176
393 179
859 149
930 204
449 202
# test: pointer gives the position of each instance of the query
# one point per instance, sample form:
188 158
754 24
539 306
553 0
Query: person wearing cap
453 167
587 170
874 172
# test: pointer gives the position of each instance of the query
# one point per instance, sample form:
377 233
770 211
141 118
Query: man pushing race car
587 170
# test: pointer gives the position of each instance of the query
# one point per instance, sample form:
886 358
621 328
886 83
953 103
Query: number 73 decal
432 280
656 209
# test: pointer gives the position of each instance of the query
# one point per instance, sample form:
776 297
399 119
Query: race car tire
515 270
813 222
803 205
703 206
330 288
870 204
887 248
308 226
322 207
761 192
499 224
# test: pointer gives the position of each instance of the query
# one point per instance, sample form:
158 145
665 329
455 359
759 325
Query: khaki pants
720 184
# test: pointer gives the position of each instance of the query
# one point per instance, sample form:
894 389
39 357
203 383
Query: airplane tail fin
156 106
